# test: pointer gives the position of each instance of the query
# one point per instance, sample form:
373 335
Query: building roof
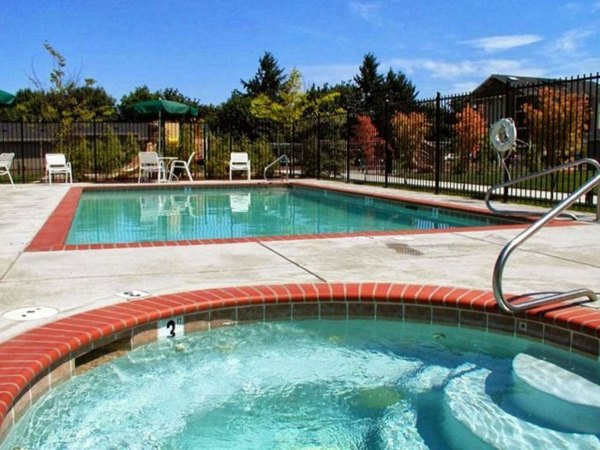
496 84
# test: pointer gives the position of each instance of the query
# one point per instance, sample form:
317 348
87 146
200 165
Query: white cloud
492 44
369 11
570 41
452 70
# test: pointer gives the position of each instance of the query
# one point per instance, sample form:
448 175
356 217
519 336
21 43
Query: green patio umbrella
163 109
6 99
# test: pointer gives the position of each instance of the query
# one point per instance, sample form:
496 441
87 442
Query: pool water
207 213
313 384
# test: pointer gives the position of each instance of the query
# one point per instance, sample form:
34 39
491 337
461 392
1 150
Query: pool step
468 405
555 395
398 428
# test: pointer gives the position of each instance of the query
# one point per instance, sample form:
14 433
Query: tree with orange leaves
471 133
366 138
556 122
409 132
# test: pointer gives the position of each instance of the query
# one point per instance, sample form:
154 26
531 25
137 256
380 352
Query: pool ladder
283 159
512 307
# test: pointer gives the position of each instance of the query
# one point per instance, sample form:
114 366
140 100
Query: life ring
503 135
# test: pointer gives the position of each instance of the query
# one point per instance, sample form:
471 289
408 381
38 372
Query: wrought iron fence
439 145
98 151
442 144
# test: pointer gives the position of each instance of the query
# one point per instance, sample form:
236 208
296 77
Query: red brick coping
53 235
36 360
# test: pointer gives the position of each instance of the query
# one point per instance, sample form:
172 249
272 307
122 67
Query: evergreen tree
268 80
373 93
370 83
400 90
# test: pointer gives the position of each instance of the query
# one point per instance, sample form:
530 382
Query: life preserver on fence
503 135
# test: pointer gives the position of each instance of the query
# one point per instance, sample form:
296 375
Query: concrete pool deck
557 258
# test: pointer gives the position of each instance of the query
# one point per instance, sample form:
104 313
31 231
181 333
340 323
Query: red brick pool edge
53 235
38 359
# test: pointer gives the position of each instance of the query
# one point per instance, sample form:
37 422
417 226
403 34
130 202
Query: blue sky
204 47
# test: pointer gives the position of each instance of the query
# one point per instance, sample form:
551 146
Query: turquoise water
188 214
308 385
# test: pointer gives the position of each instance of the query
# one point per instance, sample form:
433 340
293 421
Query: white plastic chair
181 164
149 164
239 161
6 160
56 164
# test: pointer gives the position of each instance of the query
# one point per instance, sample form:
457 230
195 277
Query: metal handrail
282 158
579 162
526 234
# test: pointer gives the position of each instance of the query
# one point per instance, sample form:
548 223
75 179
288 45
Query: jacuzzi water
311 385
178 214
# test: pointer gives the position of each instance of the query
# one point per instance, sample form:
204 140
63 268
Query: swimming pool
357 384
188 214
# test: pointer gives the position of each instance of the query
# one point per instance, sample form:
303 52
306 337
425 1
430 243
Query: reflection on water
221 213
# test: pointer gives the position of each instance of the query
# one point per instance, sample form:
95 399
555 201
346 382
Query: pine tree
400 90
268 80
370 83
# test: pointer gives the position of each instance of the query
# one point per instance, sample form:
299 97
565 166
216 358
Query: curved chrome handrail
282 158
579 162
526 234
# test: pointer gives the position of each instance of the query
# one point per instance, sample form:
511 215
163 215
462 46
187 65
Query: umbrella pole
159 132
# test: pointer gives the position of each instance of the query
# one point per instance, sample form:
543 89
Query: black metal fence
438 145
97 151
442 145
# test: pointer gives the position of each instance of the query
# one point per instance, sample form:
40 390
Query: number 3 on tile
170 328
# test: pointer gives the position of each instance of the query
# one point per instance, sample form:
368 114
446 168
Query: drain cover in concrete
30 313
404 249
132 294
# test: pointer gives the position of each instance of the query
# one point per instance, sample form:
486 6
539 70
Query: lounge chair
149 164
239 161
181 164
56 164
6 160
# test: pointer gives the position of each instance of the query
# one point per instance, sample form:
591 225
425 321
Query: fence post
23 152
292 155
95 152
437 153
347 146
387 165
318 146
507 113
206 143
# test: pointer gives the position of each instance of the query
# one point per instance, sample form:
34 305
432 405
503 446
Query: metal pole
318 146
95 153
505 176
386 131
292 152
437 155
23 152
159 132
347 146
